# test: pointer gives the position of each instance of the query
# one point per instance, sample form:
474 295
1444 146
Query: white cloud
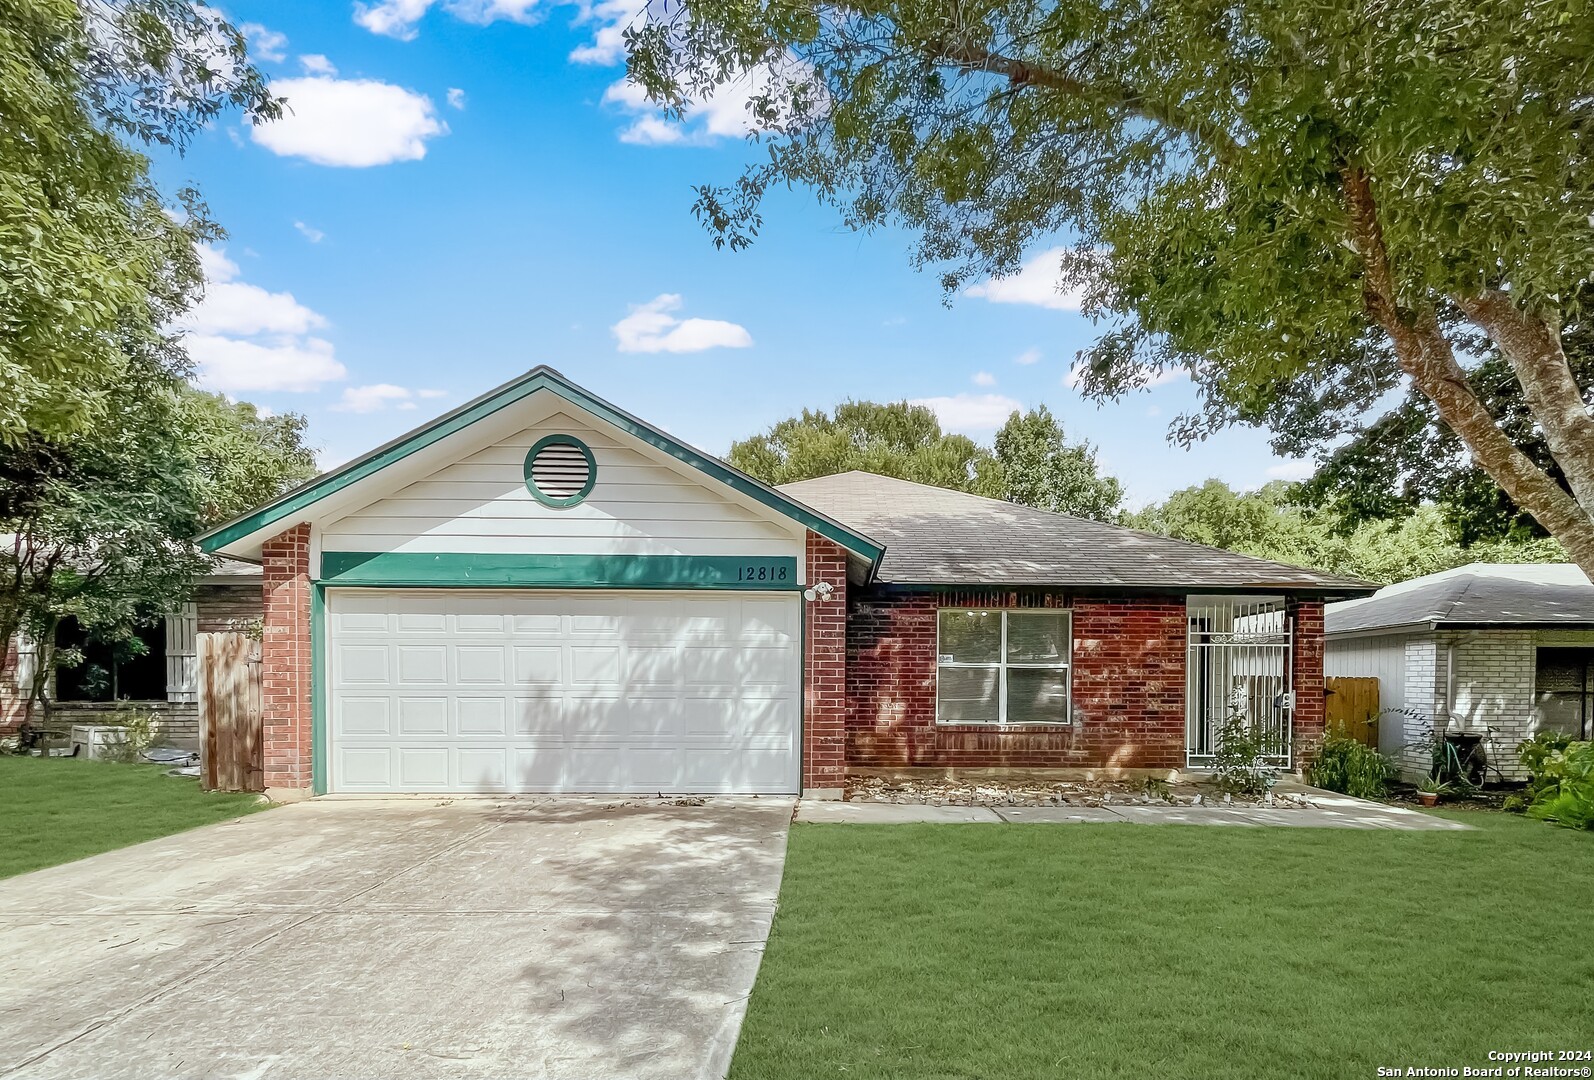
1076 376
984 378
607 47
316 64
651 328
456 98
1035 283
970 413
246 338
375 398
723 113
310 232
397 18
1027 357
291 365
349 122
1294 469
265 43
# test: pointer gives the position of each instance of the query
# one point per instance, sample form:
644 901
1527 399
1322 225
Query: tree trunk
1533 348
1427 356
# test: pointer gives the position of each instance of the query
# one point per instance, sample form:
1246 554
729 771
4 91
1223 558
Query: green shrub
1240 761
1540 756
1570 801
1352 768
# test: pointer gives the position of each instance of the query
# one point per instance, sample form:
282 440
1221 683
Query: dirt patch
938 791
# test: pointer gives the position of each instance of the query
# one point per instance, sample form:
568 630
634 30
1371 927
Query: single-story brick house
1499 650
539 592
161 680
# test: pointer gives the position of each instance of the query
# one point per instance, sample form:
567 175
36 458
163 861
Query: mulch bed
938 791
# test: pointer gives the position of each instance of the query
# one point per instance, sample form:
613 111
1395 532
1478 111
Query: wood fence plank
230 711
1353 707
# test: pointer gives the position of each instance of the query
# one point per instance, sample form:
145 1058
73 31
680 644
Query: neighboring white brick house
1502 651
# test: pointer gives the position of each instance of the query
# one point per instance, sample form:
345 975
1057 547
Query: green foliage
1299 204
896 439
1570 802
1032 462
1541 757
1277 522
139 732
1240 759
98 523
1351 767
1035 465
93 267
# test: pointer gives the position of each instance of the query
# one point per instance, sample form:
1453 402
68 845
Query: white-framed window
996 666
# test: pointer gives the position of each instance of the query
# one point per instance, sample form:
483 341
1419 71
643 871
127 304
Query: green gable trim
453 570
560 440
541 378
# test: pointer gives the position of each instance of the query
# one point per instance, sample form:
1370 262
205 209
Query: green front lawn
1165 952
54 810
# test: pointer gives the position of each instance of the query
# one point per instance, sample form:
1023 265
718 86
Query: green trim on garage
453 570
540 378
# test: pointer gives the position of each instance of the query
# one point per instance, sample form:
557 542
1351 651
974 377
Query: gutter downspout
1450 684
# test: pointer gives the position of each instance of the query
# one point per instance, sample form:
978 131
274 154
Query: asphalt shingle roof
1479 594
934 536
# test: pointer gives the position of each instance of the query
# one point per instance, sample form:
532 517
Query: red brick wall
285 658
1128 687
825 669
1306 678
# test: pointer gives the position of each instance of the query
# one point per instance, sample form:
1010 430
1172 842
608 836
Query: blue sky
466 189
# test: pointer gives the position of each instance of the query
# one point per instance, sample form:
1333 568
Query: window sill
1050 725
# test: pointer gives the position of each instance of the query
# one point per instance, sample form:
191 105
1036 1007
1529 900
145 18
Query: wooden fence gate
229 712
1353 708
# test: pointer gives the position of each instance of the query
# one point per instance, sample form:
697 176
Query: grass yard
979 952
54 810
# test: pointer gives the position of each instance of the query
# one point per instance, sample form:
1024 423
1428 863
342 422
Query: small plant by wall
1240 762
1352 768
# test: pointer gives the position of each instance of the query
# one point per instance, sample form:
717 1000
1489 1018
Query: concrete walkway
1328 811
532 938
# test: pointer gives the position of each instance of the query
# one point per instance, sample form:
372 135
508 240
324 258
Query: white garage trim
599 690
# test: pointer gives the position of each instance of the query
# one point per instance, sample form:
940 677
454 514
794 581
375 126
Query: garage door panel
423 768
479 664
481 716
361 664
539 665
423 716
498 691
596 666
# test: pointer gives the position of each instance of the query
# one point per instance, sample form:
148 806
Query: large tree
896 439
1032 463
1302 204
93 258
1284 522
97 523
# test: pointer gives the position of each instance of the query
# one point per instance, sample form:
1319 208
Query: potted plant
1430 789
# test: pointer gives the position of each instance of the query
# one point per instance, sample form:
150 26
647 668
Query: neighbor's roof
934 536
1475 595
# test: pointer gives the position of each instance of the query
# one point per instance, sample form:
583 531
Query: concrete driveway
588 939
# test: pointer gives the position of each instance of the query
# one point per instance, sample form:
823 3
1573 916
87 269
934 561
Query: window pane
966 696
1035 695
970 637
1037 639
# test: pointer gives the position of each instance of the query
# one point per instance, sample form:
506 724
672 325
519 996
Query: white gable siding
638 506
1382 658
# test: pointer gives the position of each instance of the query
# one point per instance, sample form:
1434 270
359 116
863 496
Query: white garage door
576 692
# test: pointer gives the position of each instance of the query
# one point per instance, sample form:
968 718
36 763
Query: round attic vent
560 470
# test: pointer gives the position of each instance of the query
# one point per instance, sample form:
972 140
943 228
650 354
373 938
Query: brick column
285 659
1306 678
825 673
